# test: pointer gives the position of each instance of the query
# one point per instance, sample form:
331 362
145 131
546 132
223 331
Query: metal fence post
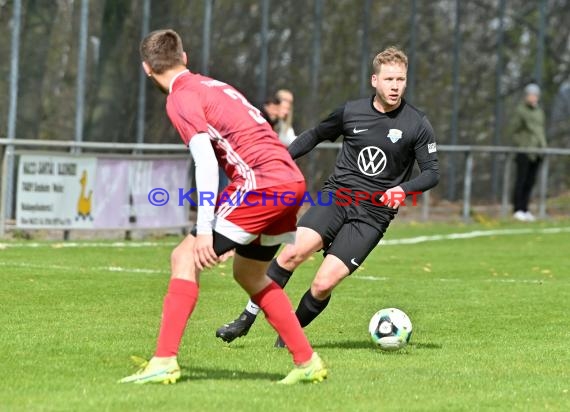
365 49
540 43
425 205
498 99
506 184
467 181
8 175
543 187
206 37
142 77
455 98
3 196
411 88
262 85
314 83
81 69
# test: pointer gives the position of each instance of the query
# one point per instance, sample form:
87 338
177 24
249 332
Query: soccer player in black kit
383 137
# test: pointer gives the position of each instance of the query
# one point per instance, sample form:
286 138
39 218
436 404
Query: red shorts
265 216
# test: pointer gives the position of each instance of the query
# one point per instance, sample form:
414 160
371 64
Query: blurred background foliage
50 38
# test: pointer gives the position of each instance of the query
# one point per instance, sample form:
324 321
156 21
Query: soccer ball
390 329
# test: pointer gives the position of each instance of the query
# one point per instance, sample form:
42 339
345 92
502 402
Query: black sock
309 308
278 274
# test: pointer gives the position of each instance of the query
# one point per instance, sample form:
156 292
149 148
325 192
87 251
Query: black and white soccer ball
390 329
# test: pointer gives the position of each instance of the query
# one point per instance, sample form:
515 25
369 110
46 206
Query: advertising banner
55 192
76 192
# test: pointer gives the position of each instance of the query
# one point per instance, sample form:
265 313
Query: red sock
178 305
280 314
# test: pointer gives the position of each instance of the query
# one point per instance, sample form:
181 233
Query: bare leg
331 272
307 242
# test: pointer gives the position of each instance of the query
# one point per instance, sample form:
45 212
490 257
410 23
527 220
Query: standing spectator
271 110
284 127
527 129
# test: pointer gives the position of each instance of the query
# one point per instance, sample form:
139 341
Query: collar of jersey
388 114
176 77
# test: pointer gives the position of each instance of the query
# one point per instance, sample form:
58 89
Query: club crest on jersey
394 135
371 161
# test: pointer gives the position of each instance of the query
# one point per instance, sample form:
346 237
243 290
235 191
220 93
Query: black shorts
348 232
253 250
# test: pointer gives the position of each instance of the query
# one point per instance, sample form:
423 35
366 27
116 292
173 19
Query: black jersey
379 149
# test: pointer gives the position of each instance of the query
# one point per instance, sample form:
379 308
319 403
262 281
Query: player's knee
179 258
292 256
251 284
321 288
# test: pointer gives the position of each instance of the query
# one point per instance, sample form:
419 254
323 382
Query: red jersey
246 146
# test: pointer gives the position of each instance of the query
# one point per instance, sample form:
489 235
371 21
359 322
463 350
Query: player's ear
147 69
374 80
185 58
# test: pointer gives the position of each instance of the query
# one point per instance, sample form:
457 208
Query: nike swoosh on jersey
354 262
356 131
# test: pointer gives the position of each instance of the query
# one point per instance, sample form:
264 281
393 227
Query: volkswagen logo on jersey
371 161
394 135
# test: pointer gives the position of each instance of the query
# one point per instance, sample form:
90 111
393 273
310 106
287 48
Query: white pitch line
383 242
516 281
473 234
369 277
160 272
69 268
63 245
534 281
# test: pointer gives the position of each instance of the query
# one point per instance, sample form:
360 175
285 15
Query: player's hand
226 256
393 197
204 254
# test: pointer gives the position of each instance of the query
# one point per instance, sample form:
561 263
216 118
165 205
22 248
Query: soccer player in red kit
222 128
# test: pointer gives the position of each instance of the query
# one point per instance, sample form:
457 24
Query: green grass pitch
490 315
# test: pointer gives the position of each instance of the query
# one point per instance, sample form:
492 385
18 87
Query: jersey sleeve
184 108
425 148
332 126
206 179
329 129
425 151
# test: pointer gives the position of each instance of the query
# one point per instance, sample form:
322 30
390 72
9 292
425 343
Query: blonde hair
162 50
280 94
390 55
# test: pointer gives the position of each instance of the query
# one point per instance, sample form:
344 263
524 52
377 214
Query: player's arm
206 183
425 151
206 180
329 129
